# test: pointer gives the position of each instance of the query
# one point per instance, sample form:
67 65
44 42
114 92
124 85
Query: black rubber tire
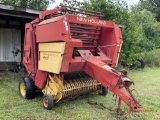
50 103
104 91
142 63
30 88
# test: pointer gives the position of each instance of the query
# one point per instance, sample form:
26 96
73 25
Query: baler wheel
26 88
48 102
103 91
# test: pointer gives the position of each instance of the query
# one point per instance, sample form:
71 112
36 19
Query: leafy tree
151 28
73 3
151 5
32 4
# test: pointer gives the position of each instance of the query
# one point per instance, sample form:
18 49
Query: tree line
32 4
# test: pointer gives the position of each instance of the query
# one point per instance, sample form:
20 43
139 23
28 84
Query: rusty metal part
82 11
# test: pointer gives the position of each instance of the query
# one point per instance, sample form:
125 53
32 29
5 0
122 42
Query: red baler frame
88 48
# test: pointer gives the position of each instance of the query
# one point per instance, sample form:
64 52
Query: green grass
147 84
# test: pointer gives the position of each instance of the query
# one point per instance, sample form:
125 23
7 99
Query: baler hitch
116 82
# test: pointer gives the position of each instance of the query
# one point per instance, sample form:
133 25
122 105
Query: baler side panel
110 43
52 31
68 51
119 42
27 54
40 78
68 54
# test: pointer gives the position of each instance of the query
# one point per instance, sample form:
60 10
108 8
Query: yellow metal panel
54 47
51 56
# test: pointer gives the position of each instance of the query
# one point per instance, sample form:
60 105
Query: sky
132 1
57 2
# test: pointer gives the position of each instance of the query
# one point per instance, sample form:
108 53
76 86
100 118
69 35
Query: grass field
147 83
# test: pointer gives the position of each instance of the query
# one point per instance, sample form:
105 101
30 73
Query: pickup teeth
78 83
76 87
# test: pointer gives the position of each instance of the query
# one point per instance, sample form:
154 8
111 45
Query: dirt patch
8 107
97 105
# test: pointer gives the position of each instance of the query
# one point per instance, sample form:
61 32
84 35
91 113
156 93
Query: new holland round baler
68 52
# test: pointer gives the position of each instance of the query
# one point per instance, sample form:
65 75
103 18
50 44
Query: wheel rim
45 102
23 89
100 90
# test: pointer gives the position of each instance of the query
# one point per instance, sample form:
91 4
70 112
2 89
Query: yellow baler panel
51 56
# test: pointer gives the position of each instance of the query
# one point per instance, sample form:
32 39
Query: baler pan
67 55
